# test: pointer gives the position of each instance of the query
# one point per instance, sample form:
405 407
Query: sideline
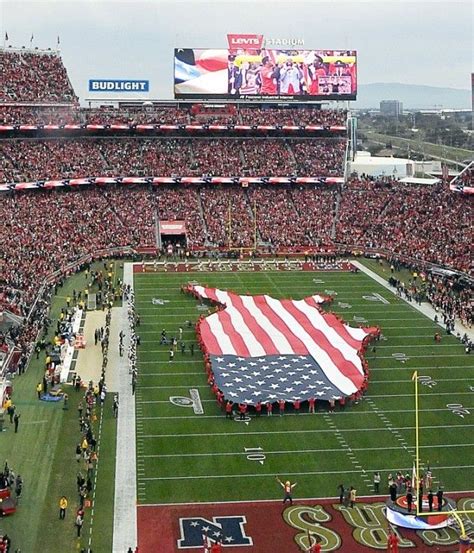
425 308
300 499
125 514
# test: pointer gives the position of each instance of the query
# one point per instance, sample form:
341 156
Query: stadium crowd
31 160
51 231
292 217
228 217
41 77
18 114
154 115
299 116
45 231
34 77
38 115
449 298
182 204
429 224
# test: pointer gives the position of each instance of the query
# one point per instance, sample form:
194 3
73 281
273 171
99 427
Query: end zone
267 526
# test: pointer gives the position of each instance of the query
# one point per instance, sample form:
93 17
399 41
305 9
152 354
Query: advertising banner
114 85
172 227
245 41
247 72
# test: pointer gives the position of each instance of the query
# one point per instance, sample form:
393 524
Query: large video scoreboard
244 73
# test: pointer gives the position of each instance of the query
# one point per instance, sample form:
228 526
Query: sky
409 42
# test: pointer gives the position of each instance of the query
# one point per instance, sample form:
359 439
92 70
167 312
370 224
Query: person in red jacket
268 74
311 405
228 410
258 408
314 548
281 406
216 547
392 542
242 411
297 405
269 406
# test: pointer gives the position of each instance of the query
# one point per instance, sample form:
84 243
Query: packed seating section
165 115
30 160
40 77
45 230
29 76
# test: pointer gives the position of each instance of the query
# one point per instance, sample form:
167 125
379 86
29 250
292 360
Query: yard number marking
400 357
159 301
376 297
343 305
458 409
427 381
255 454
181 401
358 319
194 401
246 419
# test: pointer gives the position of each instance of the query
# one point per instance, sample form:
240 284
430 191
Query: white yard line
96 471
372 381
125 513
295 451
339 413
156 362
394 431
431 368
308 473
311 431
197 373
346 448
431 344
243 501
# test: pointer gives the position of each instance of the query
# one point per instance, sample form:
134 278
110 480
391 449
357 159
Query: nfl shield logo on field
229 530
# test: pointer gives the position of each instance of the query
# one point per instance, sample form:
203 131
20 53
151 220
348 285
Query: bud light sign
112 85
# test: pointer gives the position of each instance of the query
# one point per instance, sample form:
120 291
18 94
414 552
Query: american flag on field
265 349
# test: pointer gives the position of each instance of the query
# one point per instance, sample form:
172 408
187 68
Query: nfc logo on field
112 85
229 530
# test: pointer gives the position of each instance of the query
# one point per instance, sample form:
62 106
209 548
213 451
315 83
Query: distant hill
412 96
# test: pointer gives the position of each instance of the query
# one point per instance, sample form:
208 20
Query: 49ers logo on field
227 529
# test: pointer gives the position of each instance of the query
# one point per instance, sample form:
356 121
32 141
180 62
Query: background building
391 108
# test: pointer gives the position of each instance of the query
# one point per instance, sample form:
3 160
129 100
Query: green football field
187 457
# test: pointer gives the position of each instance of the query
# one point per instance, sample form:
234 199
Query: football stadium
217 332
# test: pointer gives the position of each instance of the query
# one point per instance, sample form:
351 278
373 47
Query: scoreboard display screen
301 75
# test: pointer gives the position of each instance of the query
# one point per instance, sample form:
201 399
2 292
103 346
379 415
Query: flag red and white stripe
253 326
